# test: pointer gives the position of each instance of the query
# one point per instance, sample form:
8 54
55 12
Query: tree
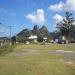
23 35
44 31
66 25
40 38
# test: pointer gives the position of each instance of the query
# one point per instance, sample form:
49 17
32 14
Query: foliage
66 25
40 39
6 49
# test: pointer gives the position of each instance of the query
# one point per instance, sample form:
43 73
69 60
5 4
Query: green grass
6 49
34 59
47 47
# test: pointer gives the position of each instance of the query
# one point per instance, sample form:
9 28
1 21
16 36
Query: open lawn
36 59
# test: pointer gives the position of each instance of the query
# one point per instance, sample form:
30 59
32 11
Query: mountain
22 36
25 33
36 30
36 27
40 32
43 31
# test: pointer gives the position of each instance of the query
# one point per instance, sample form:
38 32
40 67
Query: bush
40 39
6 49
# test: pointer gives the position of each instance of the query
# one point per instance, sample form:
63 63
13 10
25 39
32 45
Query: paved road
70 54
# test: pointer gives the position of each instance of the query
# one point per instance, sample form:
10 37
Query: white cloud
31 17
38 17
57 18
12 14
68 5
57 7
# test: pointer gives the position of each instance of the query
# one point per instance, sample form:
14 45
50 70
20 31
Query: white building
45 39
33 38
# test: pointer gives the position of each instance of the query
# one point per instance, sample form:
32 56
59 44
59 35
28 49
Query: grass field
35 59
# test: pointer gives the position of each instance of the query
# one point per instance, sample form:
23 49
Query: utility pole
10 31
1 41
16 41
10 27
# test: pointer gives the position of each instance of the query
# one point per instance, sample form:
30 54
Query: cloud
12 14
57 18
68 5
38 17
57 7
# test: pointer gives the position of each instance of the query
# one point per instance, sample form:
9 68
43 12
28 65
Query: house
45 39
61 39
4 40
33 38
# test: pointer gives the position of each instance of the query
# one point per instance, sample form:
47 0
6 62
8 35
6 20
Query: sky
21 14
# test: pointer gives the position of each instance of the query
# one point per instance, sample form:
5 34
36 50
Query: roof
45 38
33 37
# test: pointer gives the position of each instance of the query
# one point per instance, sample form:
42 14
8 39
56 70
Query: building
45 39
33 38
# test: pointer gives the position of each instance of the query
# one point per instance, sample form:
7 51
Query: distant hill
4 38
35 31
55 34
25 33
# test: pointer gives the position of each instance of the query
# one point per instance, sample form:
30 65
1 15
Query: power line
3 25
10 34
10 28
10 31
